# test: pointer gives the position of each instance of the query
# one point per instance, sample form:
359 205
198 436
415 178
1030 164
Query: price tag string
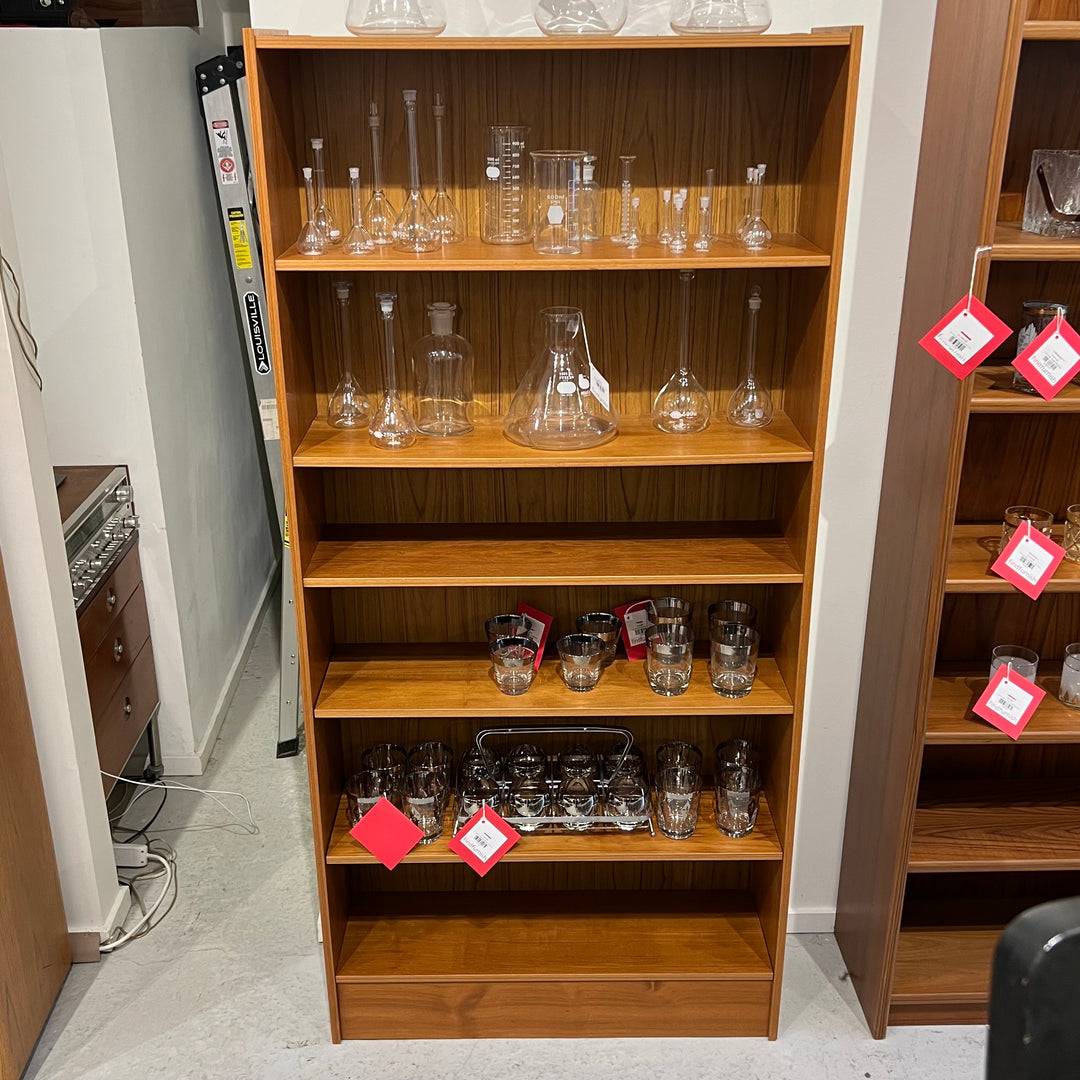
1059 320
979 253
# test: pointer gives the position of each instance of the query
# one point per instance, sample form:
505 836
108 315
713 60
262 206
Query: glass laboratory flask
396 16
392 426
557 180
682 406
581 16
720 16
507 217
751 405
443 369
414 229
554 407
348 406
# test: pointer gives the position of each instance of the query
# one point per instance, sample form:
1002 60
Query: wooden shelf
637 444
943 975
993 393
430 682
535 555
1052 30
950 721
787 250
997 825
707 844
1012 244
974 549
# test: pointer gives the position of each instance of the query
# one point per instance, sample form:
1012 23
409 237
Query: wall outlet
129 855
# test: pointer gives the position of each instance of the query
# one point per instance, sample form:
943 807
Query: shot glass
733 655
577 798
526 762
1041 521
738 752
1072 533
580 657
512 664
606 627
678 801
672 611
1024 661
424 802
669 659
385 756
528 798
503 626
477 792
738 794
627 796
1069 694
737 611
678 754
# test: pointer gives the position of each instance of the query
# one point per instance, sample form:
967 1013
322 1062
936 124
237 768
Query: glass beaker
580 16
554 407
414 229
720 16
507 217
751 405
443 368
682 406
348 406
557 179
392 426
396 16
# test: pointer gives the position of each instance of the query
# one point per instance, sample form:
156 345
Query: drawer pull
117 650
127 706
110 599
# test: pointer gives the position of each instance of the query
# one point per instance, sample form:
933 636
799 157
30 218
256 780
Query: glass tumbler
424 793
606 627
512 664
738 752
738 611
678 801
479 791
507 216
557 180
678 754
385 756
631 761
669 659
1037 316
1069 694
576 762
1015 516
528 799
526 762
627 796
362 791
1024 661
502 626
1072 533
738 795
477 763
733 655
672 611
580 657
577 799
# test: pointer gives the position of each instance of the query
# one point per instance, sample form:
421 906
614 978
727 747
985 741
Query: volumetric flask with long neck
507 217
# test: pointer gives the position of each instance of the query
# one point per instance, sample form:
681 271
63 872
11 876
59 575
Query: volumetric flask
396 16
554 407
507 217
557 190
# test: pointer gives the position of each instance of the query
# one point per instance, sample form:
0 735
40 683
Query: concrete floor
230 985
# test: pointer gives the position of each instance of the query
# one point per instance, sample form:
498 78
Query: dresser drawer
120 724
96 618
124 637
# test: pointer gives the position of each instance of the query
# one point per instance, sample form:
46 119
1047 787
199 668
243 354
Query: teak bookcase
400 557
953 829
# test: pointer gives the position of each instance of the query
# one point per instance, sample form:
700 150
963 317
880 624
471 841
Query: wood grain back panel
971 625
1012 283
1053 9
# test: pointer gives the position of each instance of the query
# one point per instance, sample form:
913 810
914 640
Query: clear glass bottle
633 234
682 406
556 17
507 217
396 17
414 229
751 405
757 235
325 221
348 406
704 238
679 230
443 370
392 426
591 201
448 221
663 232
556 406
380 214
720 16
357 241
310 241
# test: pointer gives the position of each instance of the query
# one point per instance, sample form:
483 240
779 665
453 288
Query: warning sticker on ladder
238 234
268 416
226 155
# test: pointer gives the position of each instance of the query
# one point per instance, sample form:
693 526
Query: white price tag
268 416
1029 560
600 387
1054 359
483 839
637 623
964 337
1010 701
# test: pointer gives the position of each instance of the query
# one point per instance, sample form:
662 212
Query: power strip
129 855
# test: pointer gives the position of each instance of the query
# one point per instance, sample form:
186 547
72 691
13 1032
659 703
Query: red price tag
484 840
1052 359
387 833
965 337
635 622
1009 702
1029 560
539 627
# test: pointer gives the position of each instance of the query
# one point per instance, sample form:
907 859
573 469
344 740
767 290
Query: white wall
895 64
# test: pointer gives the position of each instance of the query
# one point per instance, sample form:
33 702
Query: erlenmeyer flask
562 403
751 405
380 214
580 16
414 229
396 16
682 406
392 426
720 16
448 222
349 406
443 368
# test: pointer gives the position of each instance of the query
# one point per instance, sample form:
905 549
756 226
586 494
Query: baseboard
195 764
85 947
811 921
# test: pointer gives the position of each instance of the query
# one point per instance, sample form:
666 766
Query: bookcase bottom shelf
555 965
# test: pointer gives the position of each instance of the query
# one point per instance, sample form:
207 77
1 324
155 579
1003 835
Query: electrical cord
30 354
248 826
148 913
146 828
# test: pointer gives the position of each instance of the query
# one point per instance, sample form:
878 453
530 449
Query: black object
34 12
1035 996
